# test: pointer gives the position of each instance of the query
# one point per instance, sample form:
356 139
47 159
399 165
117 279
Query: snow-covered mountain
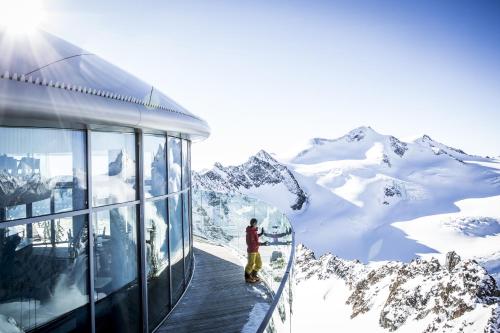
14 189
261 176
370 196
361 184
338 295
422 216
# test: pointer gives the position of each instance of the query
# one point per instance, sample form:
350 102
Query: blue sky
273 74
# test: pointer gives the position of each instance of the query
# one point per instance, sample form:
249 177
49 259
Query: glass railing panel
222 218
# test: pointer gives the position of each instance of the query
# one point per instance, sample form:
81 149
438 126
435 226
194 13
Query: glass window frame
69 133
136 168
165 160
62 319
139 202
171 164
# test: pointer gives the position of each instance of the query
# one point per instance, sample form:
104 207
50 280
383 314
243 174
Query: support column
91 233
29 226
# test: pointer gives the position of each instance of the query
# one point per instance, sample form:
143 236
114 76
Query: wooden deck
218 299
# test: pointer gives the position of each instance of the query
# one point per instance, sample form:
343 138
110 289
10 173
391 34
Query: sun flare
21 16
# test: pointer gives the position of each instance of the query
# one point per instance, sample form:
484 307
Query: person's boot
255 276
249 278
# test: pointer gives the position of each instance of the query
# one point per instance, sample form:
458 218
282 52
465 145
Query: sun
21 16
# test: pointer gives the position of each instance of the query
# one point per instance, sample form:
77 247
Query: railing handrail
277 295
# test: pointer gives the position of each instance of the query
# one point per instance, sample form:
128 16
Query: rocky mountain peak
264 155
426 137
319 141
260 170
359 133
439 148
452 260
364 129
218 165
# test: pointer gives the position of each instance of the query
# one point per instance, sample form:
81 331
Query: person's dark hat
253 221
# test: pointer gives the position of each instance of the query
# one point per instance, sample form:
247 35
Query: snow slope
474 231
362 183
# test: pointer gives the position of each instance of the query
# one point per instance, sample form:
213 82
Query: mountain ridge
348 193
260 170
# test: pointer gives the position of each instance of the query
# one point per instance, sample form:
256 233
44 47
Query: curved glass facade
95 229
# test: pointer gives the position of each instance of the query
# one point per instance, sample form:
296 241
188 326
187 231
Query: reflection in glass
174 164
155 168
42 171
186 225
186 165
157 261
156 237
116 270
16 212
176 251
44 275
115 242
113 168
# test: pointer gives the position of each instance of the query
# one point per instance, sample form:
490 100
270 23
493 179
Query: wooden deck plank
218 299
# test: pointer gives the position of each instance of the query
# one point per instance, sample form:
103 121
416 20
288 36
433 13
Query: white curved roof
44 78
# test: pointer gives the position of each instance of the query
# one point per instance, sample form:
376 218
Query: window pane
116 270
176 253
42 171
174 164
113 168
44 269
186 165
155 168
16 212
115 242
157 261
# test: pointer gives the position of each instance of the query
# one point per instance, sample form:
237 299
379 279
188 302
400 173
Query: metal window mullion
190 202
90 227
165 196
191 251
115 206
29 213
142 236
182 218
3 214
167 207
42 218
52 221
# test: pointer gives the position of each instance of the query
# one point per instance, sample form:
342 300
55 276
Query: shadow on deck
218 299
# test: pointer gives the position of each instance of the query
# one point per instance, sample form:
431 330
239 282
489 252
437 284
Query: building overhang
45 81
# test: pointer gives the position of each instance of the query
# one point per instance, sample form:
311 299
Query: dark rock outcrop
442 295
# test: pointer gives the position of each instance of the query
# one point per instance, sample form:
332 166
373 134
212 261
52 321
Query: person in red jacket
254 261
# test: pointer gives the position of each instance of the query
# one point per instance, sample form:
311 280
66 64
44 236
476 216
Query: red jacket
252 240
